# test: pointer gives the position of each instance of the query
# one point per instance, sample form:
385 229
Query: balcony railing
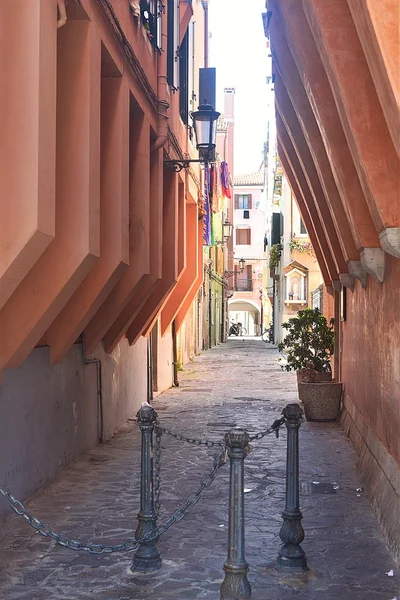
246 285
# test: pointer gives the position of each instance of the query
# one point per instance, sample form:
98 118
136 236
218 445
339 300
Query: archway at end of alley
246 312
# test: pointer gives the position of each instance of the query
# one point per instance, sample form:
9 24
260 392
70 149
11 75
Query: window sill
295 302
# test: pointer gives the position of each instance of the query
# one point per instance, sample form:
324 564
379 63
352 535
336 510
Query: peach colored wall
334 63
371 355
93 229
28 148
92 179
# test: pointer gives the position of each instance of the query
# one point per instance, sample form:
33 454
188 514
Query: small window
303 230
150 13
246 214
243 237
243 201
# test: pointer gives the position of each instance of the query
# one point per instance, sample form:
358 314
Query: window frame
173 23
242 229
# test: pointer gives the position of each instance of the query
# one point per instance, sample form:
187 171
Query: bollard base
235 585
146 562
292 558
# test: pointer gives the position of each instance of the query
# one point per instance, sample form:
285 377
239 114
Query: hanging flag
207 216
225 179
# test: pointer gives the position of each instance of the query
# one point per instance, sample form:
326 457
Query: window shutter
249 272
236 200
184 78
249 236
173 43
250 202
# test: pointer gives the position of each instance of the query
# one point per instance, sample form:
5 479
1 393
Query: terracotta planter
321 400
322 376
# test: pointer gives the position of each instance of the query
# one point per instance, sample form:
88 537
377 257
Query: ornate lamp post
227 233
205 130
228 228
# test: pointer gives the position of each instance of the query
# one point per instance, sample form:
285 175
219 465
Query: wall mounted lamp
227 231
205 130
242 263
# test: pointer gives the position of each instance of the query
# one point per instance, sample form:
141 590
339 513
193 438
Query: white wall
256 222
165 367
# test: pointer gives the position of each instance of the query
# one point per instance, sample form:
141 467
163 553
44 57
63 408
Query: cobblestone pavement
97 498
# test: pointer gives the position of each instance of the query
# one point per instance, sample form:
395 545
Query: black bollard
235 585
291 556
147 557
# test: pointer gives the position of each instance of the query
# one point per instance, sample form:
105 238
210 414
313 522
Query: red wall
371 347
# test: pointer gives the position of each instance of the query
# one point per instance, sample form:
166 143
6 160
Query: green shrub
309 341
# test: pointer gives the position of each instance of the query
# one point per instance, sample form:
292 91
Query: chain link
129 544
157 470
275 427
196 442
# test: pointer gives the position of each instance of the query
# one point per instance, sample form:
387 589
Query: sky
238 50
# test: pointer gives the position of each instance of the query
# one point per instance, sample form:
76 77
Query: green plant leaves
309 342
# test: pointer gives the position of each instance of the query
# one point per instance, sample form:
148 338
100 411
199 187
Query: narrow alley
96 498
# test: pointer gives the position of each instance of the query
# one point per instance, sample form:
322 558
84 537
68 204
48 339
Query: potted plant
274 257
309 345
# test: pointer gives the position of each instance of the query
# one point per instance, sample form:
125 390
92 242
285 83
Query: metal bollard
147 557
235 585
291 555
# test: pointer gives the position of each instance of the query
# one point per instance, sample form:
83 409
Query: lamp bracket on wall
178 165
242 263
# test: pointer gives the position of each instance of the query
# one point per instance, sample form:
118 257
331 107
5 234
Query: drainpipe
162 88
63 13
150 391
175 354
337 348
97 362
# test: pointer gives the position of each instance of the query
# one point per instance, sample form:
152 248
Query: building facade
294 278
336 83
247 303
101 241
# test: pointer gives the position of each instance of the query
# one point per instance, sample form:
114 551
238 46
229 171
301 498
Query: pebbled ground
238 383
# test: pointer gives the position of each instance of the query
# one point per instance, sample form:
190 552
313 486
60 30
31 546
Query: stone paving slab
97 499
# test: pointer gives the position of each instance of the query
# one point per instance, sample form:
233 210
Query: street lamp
227 231
227 227
242 263
205 130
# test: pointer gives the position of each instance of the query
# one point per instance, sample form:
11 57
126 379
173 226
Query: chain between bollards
291 555
236 585
147 557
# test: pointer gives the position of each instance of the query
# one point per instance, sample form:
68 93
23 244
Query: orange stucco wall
94 233
337 108
371 355
97 235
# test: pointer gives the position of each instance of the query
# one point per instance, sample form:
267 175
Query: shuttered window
243 280
243 236
243 201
